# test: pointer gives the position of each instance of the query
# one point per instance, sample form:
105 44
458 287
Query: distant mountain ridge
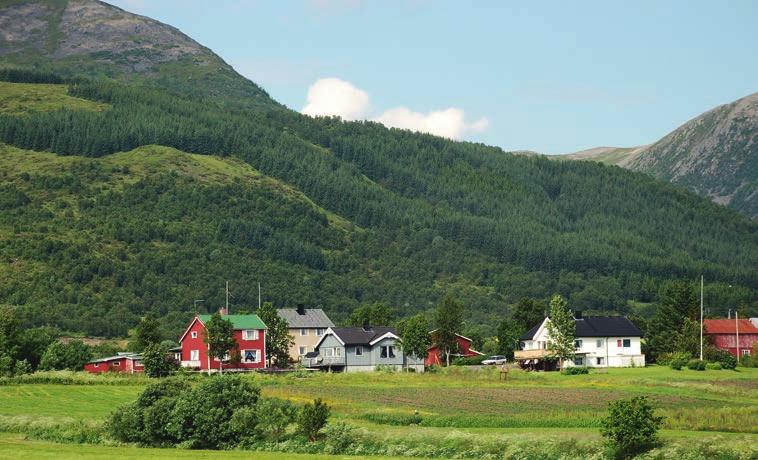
714 154
96 39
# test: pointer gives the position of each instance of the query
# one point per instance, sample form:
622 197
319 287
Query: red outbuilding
123 362
434 357
722 333
249 333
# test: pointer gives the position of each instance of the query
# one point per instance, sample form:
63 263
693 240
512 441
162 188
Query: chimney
300 309
577 314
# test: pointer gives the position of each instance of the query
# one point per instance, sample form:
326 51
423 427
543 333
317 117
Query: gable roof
313 317
238 321
132 356
596 326
728 326
359 336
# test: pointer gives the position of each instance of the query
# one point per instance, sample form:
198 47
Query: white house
601 341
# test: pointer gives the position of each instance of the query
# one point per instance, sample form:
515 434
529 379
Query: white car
493 360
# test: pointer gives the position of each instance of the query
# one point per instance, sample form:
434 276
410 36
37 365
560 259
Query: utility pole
259 295
226 309
737 330
701 317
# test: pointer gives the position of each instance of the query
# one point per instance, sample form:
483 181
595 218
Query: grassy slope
20 98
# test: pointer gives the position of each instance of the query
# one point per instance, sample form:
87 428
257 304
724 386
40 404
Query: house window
358 351
319 331
599 343
328 352
117 363
600 361
96 364
302 350
338 352
745 352
194 334
386 351
250 334
578 343
251 356
627 343
618 343
303 331
194 355
579 361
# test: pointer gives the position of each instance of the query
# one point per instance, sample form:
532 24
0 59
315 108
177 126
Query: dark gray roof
313 317
598 326
359 336
529 335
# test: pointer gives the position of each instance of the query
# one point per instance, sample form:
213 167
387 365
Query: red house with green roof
249 333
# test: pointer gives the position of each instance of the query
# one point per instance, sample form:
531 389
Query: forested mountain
715 155
123 196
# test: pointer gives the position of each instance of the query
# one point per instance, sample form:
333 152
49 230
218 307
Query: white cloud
332 96
450 122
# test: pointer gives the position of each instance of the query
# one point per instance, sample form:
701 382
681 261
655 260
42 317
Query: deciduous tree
561 330
219 336
278 338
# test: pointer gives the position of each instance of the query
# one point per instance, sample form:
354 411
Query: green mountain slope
715 155
94 39
119 198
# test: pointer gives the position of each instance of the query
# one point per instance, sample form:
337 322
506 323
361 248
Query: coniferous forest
137 199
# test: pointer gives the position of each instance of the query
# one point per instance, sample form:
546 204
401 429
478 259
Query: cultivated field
466 409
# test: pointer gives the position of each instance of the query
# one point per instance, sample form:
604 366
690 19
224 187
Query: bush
723 357
713 366
575 370
631 427
469 360
338 438
312 419
677 364
696 365
273 417
666 359
72 356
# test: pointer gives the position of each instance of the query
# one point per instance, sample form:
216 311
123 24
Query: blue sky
554 77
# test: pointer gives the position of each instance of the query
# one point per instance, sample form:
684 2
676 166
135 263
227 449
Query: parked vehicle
493 360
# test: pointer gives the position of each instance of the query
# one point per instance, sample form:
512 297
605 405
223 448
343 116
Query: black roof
361 336
529 335
598 326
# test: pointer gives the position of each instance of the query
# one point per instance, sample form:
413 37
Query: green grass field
21 98
458 405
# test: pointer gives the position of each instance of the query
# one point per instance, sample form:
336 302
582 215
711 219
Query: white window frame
578 343
247 333
745 352
117 363
301 350
579 361
320 331
303 332
600 361
359 351
337 352
599 343
624 343
328 352
388 351
194 355
194 334
257 356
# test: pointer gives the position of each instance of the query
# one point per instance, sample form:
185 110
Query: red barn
123 362
249 333
722 333
435 357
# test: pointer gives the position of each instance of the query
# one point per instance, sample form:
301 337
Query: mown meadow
456 412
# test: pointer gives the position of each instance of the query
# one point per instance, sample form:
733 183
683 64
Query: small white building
601 341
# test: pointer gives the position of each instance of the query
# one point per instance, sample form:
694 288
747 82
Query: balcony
323 361
530 354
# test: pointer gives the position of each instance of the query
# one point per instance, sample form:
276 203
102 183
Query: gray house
353 349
